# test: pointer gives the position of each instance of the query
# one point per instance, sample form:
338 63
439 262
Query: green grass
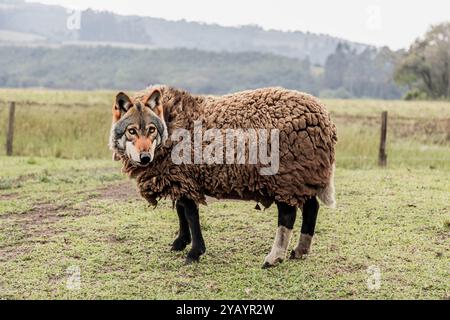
60 214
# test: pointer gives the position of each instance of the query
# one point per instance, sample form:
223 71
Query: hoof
194 255
303 247
298 255
190 260
292 255
179 244
268 265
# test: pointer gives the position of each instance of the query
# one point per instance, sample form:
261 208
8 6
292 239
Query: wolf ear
121 105
154 102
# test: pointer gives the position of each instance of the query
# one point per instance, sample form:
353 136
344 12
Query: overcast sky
395 23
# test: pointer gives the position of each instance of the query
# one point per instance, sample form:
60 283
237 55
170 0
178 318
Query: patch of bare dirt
45 211
121 191
38 221
12 252
37 225
8 196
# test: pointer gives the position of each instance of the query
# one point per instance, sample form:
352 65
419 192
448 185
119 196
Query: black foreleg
184 235
192 217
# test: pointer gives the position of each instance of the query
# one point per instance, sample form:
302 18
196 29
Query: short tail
327 194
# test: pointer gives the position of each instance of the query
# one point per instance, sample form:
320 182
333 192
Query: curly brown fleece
307 148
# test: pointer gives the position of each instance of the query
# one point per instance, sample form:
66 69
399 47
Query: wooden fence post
10 133
382 156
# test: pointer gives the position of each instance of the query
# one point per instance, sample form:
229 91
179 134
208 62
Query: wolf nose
145 158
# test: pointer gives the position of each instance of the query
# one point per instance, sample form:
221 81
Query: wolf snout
145 158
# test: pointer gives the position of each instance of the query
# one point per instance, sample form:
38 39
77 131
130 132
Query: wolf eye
151 129
132 131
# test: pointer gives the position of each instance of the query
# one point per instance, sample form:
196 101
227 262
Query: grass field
59 214
75 125
64 206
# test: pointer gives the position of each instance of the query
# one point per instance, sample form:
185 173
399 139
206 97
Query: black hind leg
184 235
310 210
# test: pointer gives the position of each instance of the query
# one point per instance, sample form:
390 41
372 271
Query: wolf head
138 127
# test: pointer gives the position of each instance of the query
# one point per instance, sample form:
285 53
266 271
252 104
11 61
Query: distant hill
345 75
74 67
33 23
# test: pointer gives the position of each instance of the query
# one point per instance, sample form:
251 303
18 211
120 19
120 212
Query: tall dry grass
75 125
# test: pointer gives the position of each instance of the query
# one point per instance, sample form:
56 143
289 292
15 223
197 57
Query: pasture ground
67 214
62 215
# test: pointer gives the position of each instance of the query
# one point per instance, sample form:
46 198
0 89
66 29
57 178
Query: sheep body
307 139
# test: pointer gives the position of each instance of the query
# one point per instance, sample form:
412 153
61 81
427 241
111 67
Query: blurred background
71 55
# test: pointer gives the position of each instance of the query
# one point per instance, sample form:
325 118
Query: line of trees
366 74
347 74
422 72
425 67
